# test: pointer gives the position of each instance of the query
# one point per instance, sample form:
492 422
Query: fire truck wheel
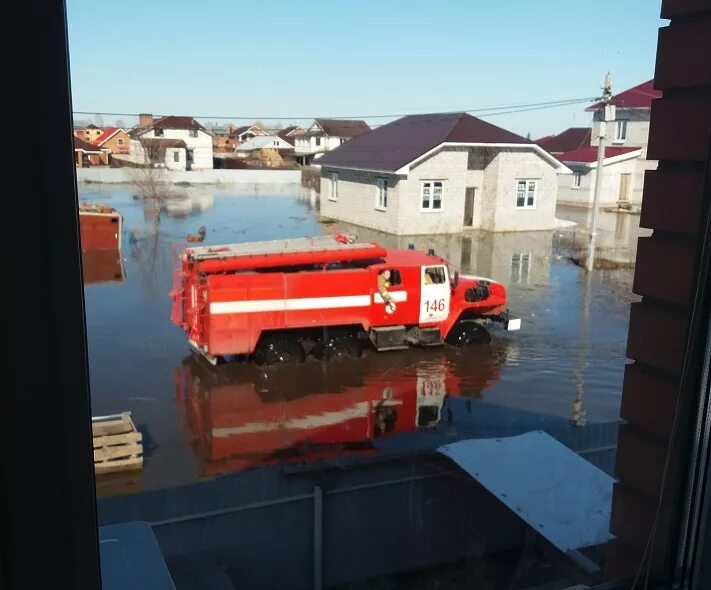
273 350
466 332
340 348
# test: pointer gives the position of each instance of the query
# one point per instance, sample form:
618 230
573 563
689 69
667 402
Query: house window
526 194
158 132
193 132
343 140
333 194
432 195
520 267
382 194
120 142
318 141
176 156
620 130
576 179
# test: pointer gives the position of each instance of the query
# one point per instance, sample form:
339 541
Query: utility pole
607 114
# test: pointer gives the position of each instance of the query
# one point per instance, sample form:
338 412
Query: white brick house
439 174
625 161
188 145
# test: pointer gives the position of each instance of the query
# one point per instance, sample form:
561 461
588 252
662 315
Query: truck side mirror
455 280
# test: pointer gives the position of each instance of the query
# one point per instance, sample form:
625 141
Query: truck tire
338 348
466 332
278 349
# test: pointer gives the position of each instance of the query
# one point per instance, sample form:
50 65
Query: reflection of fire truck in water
282 299
239 418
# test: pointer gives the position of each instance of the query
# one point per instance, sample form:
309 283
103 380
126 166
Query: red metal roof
108 132
566 141
588 154
638 97
396 144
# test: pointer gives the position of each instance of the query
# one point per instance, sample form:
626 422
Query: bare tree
147 170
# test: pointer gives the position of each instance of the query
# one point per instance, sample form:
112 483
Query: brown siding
113 143
665 276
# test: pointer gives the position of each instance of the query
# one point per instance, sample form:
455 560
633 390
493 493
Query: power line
480 111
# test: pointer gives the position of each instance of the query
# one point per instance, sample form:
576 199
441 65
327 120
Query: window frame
381 194
525 205
333 187
176 156
157 132
577 178
437 269
431 208
192 132
620 131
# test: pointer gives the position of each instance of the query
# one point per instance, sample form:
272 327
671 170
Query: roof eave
355 168
559 166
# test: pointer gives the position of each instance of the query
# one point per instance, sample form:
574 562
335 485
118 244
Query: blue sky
289 59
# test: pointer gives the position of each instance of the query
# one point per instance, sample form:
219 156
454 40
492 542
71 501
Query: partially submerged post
607 113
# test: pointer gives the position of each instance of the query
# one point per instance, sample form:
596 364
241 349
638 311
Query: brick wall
665 277
492 171
356 200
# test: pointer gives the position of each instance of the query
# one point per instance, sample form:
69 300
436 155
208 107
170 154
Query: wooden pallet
118 445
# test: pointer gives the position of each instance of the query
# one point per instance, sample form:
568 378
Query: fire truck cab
281 299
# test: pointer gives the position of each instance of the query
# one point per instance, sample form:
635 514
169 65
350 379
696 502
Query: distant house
194 153
242 134
165 153
114 139
289 133
325 135
267 150
89 133
86 154
440 173
618 180
625 161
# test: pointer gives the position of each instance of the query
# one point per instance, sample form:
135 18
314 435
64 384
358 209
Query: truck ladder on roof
288 246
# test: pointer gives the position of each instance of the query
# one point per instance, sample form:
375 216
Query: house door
625 187
469 206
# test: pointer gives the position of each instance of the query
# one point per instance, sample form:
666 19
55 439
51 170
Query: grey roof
392 146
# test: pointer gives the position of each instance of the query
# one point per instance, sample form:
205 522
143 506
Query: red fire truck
281 299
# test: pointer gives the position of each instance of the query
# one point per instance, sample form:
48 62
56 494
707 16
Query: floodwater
561 373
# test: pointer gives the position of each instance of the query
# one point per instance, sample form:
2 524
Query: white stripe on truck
300 304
